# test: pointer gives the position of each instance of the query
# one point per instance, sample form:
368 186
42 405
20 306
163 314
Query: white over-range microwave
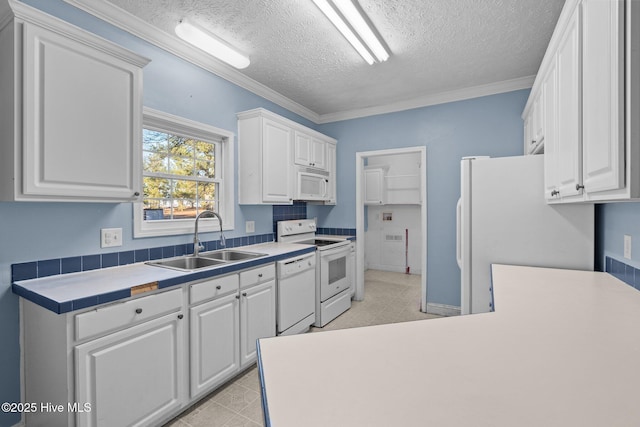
311 184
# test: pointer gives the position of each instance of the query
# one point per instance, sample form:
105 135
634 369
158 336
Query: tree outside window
179 176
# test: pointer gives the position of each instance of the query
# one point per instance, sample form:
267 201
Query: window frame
165 122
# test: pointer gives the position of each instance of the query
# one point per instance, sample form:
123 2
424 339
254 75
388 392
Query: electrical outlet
627 246
110 237
250 226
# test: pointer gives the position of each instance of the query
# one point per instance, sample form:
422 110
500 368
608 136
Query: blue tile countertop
69 292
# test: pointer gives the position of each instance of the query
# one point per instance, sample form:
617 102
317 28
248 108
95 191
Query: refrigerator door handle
459 232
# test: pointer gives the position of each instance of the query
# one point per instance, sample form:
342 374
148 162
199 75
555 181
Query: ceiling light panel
349 11
210 43
341 25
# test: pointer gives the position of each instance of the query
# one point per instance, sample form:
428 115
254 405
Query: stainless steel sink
229 255
187 263
205 260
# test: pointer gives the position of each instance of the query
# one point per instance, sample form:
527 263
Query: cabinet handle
237 296
579 187
180 316
533 142
219 287
138 310
244 294
555 193
136 194
260 275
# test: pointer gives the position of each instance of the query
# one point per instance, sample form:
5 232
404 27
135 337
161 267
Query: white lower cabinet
140 361
215 345
258 318
132 377
121 364
227 315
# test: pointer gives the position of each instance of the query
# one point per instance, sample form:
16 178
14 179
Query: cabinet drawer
213 288
123 314
257 275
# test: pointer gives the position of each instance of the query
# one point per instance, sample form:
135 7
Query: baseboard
443 309
393 268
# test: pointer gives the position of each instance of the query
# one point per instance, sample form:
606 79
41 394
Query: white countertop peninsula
561 349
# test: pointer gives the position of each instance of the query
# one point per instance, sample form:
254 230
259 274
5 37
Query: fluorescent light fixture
204 40
326 8
356 22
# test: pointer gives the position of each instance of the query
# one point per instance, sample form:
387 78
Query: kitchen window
187 167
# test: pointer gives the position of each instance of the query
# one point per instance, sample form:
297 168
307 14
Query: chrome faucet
196 242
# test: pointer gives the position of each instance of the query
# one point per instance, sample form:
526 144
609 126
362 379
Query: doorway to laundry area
391 215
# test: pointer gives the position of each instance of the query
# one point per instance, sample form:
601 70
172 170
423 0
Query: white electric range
333 267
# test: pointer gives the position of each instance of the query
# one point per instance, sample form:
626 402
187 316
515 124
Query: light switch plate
627 246
110 237
250 227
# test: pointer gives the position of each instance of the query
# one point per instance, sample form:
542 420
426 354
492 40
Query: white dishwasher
296 296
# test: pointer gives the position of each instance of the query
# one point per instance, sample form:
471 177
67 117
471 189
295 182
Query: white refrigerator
503 218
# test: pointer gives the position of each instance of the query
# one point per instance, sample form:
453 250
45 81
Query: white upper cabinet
331 168
310 151
76 103
549 86
568 144
374 185
603 95
276 166
265 170
534 127
590 79
271 149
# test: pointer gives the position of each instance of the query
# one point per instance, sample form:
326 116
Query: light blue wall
613 221
37 231
489 125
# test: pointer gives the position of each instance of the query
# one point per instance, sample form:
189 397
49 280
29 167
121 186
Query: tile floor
389 298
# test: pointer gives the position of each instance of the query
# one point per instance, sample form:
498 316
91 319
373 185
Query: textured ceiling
436 45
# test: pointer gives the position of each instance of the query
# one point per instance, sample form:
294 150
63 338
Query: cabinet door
538 119
569 141
374 186
603 95
132 377
549 86
529 143
331 167
276 163
82 118
215 343
257 318
319 154
310 151
302 149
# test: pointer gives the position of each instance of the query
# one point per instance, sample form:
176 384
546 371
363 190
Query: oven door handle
335 253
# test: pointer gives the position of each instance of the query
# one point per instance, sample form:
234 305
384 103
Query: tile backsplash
628 274
299 211
52 267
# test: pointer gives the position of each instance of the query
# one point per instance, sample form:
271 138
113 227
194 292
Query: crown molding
122 19
432 99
